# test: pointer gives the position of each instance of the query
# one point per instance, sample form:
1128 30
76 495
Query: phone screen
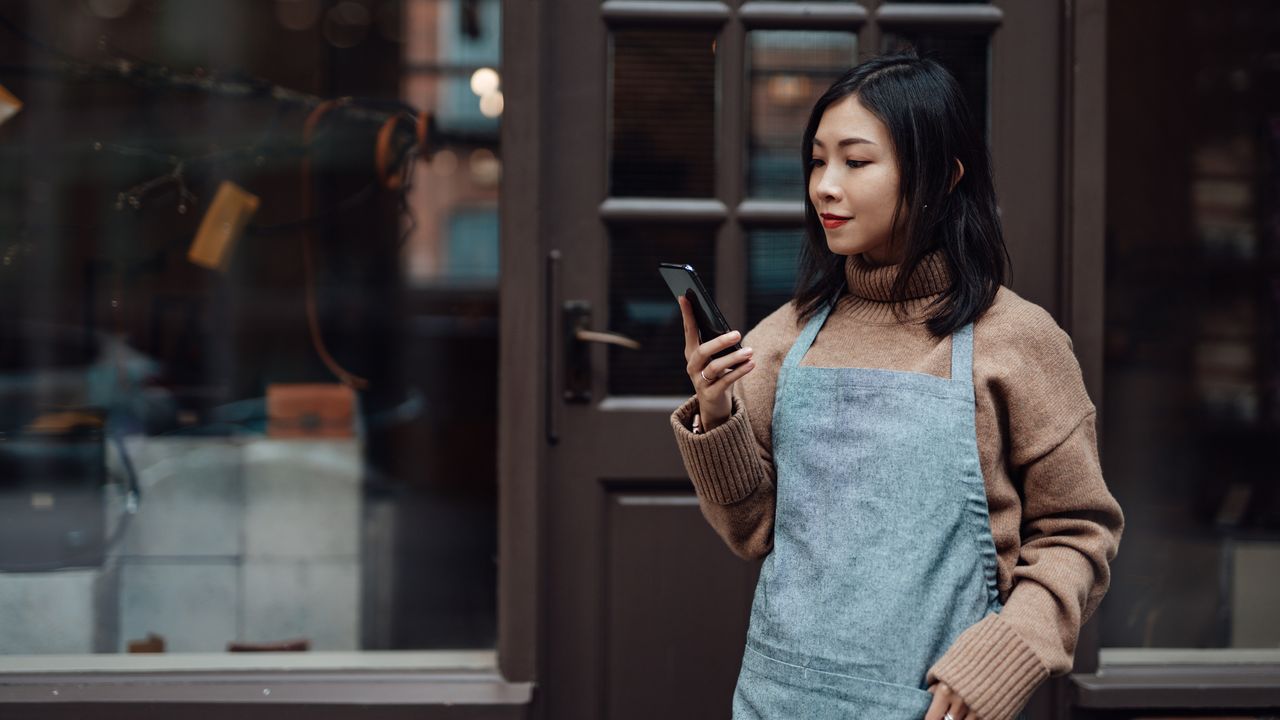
683 280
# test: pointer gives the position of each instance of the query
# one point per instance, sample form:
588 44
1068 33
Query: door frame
524 349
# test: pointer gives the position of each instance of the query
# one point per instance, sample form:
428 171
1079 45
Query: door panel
675 606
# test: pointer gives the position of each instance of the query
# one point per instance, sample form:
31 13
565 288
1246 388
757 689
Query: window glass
662 100
247 381
641 307
1192 356
788 70
772 260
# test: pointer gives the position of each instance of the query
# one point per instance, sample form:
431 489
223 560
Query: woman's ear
958 174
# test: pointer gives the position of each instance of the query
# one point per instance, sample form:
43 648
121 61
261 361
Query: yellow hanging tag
9 105
228 214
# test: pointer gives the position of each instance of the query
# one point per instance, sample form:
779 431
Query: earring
926 206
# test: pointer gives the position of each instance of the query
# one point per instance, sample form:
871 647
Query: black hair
931 126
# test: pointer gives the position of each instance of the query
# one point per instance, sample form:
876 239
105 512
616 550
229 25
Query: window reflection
181 466
772 257
789 69
1192 358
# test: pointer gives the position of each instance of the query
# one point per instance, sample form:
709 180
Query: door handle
606 337
577 349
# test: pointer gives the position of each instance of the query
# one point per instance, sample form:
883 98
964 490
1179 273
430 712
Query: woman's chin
842 246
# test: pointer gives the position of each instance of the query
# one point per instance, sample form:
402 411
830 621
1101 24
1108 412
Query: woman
908 443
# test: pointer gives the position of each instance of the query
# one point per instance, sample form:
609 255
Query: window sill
1156 678
390 679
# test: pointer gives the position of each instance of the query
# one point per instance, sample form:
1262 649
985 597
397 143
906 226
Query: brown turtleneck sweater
1055 524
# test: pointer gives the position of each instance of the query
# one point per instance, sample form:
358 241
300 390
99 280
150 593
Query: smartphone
684 281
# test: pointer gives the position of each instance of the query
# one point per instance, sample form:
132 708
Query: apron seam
842 676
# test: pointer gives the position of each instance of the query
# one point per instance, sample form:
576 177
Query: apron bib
882 551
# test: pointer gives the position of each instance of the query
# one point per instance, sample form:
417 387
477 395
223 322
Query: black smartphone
684 281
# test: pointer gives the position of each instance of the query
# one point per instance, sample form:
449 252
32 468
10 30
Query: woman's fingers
703 353
938 707
701 365
717 367
708 349
947 702
730 377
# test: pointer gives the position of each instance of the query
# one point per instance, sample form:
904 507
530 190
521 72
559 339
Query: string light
484 81
485 167
491 104
444 163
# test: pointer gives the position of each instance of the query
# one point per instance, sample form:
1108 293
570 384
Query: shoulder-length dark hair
931 127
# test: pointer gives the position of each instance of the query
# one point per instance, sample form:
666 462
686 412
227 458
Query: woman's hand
712 383
947 704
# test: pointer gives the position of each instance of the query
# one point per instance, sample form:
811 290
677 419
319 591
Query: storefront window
1192 374
248 357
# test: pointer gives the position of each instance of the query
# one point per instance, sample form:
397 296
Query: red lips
831 222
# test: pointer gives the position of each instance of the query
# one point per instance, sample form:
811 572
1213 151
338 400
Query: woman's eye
856 163
815 162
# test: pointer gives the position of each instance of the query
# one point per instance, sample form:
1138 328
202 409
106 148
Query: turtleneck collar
869 287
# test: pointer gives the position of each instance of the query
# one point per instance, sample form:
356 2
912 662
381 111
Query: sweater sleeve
1071 528
734 483
731 465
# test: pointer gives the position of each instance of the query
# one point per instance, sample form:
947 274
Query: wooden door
670 132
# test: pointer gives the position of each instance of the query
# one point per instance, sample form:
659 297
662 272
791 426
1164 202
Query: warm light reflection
491 104
484 81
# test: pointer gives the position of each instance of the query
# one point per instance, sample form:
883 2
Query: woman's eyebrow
846 141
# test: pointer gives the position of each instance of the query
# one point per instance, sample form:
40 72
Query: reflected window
789 70
244 382
452 68
773 257
1192 353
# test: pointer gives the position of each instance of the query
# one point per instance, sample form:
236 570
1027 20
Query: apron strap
961 346
962 356
805 339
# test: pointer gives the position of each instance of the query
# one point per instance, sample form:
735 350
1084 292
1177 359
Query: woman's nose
827 189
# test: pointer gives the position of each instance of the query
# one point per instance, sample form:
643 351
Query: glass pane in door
662 113
788 69
772 255
641 306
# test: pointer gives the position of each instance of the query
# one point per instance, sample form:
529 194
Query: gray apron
882 551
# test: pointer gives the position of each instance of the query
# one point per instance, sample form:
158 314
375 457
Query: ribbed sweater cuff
722 462
991 668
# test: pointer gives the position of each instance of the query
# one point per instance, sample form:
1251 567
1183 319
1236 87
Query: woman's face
853 183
